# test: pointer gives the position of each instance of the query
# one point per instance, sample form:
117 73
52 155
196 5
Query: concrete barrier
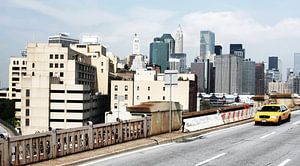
234 116
198 123
202 122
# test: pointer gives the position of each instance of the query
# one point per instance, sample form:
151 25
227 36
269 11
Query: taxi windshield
270 109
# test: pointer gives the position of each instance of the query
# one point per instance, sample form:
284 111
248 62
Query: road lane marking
295 123
284 162
208 160
94 161
265 136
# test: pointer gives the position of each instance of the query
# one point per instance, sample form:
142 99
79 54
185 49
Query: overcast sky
264 27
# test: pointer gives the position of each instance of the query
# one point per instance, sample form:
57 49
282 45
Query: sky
264 27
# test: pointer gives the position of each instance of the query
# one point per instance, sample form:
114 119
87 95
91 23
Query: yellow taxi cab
273 113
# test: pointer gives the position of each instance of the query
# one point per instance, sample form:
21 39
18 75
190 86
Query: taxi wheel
289 118
279 121
256 123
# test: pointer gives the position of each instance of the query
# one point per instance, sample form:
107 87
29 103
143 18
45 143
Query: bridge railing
22 150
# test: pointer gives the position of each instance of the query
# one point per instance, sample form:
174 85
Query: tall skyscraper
182 61
63 38
297 64
207 44
167 38
159 54
248 77
218 50
228 74
237 49
273 62
136 45
179 40
260 78
198 68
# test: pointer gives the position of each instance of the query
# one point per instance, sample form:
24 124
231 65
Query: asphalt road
244 145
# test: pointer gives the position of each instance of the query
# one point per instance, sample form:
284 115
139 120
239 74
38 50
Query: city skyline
262 31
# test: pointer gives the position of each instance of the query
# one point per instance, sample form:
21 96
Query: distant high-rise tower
136 45
237 49
179 40
228 74
297 64
248 77
207 44
159 54
260 78
218 50
168 39
273 63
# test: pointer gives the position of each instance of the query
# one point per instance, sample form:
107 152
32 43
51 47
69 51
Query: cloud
232 26
75 16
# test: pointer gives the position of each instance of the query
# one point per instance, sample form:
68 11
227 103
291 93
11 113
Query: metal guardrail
23 150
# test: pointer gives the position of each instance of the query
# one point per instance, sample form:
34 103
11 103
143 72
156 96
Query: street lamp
171 78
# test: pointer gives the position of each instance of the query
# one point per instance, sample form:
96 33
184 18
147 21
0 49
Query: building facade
260 79
237 49
58 90
228 74
248 77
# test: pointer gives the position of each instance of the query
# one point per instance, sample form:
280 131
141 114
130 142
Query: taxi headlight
273 117
256 117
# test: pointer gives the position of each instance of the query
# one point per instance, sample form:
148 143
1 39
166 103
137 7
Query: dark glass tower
159 54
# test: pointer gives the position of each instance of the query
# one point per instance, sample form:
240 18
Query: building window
61 74
51 74
137 88
148 97
101 70
27 102
116 87
56 56
51 56
27 112
27 122
27 92
115 105
126 97
148 88
61 56
126 87
61 65
101 63
138 97
33 65
51 65
164 88
164 98
116 97
23 62
56 65
32 73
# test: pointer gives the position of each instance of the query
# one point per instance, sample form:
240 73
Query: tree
7 111
126 67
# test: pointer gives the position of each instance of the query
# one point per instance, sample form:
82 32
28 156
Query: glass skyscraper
159 54
207 43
